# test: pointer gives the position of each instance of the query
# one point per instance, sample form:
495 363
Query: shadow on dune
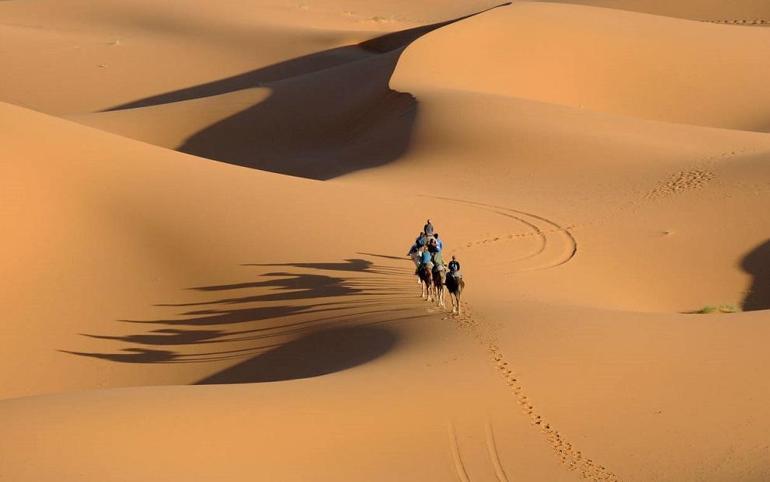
352 265
328 114
384 256
316 354
757 264
311 319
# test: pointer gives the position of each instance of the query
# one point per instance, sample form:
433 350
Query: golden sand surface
206 210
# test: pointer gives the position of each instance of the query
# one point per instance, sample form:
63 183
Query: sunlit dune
208 209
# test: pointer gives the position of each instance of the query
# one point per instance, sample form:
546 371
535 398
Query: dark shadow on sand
313 355
328 113
312 319
354 265
757 264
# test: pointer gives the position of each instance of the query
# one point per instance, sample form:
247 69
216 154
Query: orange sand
207 207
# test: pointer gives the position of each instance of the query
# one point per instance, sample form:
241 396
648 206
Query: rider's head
453 258
435 235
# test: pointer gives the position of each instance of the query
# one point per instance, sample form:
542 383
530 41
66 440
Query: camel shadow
313 355
757 264
312 319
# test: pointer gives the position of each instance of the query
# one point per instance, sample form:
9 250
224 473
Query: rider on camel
428 228
438 242
454 268
426 260
438 261
421 239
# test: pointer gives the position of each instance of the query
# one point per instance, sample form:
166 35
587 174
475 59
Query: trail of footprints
681 182
543 228
741 21
505 237
569 455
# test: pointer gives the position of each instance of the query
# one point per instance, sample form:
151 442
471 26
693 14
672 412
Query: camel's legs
455 303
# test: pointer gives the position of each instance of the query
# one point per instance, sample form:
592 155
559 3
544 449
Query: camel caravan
432 274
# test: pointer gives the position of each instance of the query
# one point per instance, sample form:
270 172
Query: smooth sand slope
738 11
607 60
202 315
134 307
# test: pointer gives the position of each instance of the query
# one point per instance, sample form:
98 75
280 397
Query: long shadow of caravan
316 354
309 320
328 114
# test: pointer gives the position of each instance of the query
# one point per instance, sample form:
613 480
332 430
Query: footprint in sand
573 459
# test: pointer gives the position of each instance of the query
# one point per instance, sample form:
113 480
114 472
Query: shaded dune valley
319 116
208 210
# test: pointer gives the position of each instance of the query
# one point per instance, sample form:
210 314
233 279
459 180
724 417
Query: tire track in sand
550 233
459 467
557 245
494 456
574 459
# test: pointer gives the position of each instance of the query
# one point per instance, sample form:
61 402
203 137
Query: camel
455 287
426 288
439 280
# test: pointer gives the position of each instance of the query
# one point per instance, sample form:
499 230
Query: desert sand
206 208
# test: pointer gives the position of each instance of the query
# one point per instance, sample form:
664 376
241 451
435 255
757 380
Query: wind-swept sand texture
206 211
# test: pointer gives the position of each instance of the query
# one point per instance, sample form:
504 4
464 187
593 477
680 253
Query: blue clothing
439 245
425 258
454 266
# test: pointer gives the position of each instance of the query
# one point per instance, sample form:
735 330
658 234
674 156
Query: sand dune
209 207
712 10
604 60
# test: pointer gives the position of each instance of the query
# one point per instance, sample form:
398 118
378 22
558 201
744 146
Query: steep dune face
325 118
604 60
78 56
303 127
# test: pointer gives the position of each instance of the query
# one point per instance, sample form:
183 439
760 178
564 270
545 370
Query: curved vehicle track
556 244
